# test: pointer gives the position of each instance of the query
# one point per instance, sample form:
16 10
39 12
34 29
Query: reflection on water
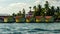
30 28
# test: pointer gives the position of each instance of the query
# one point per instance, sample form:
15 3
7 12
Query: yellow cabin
17 20
5 19
38 20
27 20
47 20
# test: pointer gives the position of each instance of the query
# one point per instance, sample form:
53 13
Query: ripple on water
30 28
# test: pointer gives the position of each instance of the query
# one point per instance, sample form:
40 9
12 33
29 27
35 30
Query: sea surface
29 28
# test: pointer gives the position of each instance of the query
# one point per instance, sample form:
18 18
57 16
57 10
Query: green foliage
47 5
39 11
47 11
23 12
14 14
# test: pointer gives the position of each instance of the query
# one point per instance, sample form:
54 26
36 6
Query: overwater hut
38 18
29 16
4 17
49 19
28 19
18 19
11 19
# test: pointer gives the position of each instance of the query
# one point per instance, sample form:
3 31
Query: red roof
28 17
38 17
18 16
48 17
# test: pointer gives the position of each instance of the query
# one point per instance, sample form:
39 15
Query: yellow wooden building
6 19
38 18
47 18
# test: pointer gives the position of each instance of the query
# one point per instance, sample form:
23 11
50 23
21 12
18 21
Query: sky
14 6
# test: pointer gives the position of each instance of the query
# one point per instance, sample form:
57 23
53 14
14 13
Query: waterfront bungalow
49 19
6 19
38 19
11 19
19 19
28 19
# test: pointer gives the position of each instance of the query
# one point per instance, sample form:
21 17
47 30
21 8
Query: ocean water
30 28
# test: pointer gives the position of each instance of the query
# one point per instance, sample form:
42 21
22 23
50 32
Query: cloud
51 2
2 0
54 3
14 8
37 1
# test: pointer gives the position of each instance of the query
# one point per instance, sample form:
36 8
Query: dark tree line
46 11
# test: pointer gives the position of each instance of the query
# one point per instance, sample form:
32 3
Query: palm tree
39 10
19 14
23 12
46 8
47 5
52 11
14 14
57 11
30 8
57 14
34 10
